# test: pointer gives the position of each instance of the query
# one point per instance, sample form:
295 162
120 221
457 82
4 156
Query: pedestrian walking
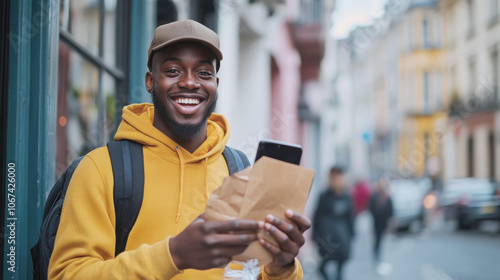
381 209
361 196
333 227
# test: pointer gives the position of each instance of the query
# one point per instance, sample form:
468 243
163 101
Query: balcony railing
484 100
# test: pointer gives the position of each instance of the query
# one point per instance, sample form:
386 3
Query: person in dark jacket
381 209
333 223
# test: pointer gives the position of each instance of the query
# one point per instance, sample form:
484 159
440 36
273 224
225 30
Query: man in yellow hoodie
182 143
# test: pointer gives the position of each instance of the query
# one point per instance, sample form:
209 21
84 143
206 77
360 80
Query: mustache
184 91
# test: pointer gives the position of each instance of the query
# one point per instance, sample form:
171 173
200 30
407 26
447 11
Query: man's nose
189 81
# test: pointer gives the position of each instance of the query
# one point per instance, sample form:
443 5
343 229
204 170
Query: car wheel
403 228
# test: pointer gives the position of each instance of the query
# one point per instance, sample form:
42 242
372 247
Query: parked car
469 201
407 198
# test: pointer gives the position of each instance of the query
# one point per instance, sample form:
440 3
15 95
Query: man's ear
217 81
149 81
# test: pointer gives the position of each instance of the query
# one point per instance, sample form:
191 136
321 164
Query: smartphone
283 151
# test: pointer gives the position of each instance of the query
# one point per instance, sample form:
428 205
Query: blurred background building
416 92
472 44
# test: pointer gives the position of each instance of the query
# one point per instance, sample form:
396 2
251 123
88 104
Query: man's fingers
232 226
300 221
284 241
288 228
273 249
230 240
279 257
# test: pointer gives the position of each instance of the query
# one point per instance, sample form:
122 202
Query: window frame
118 72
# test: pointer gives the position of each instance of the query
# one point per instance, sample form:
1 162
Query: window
426 151
204 12
437 90
453 95
451 30
425 30
495 72
470 157
410 96
453 76
494 6
437 30
166 12
410 34
92 75
427 105
495 67
453 80
471 17
310 11
472 74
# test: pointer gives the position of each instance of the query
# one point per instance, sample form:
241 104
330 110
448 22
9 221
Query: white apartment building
472 43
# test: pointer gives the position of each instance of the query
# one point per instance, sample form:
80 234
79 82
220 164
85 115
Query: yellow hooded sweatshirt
176 188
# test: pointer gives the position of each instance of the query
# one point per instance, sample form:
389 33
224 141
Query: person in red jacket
361 196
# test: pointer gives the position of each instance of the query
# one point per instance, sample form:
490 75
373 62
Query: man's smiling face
184 85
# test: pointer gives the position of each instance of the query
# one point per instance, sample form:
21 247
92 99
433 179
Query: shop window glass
78 107
108 101
81 19
109 38
91 80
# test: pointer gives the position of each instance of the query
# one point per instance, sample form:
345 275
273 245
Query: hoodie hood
137 125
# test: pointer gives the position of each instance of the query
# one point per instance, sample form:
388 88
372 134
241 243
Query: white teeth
190 101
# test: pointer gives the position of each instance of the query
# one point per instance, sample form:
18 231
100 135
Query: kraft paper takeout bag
225 202
270 187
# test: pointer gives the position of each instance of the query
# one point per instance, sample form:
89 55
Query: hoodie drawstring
179 207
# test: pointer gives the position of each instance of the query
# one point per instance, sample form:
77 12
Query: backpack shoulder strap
236 160
59 189
128 174
41 252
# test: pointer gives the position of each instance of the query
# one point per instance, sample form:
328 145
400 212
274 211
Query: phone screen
283 151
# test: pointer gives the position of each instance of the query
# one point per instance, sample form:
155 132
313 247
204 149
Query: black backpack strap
41 252
236 160
59 190
128 173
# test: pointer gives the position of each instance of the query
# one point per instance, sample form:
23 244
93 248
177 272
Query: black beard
183 131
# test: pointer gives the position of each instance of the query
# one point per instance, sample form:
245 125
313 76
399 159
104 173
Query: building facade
416 92
389 92
472 44
422 94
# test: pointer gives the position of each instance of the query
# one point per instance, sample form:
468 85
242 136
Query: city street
438 252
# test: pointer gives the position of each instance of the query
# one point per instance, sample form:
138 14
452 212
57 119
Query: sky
350 13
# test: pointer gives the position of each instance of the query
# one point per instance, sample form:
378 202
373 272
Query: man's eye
172 71
205 73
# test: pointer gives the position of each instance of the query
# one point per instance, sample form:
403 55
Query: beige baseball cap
184 30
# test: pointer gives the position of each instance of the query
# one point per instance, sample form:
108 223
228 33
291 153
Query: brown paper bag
273 187
225 202
270 187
